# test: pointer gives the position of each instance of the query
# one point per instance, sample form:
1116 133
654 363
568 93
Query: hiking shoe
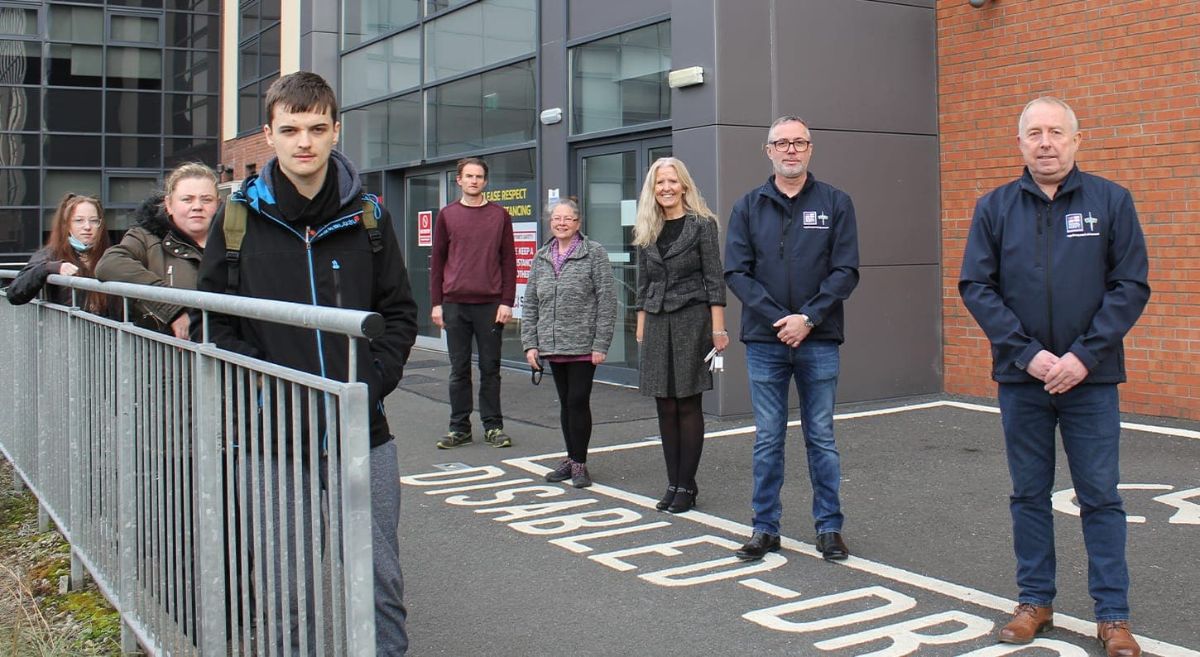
497 438
454 439
579 475
561 473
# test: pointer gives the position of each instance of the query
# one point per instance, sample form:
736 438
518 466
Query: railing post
128 532
76 476
355 475
210 508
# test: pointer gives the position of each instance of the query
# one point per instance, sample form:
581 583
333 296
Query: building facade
99 98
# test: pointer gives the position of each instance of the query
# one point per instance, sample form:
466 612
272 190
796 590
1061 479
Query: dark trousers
467 322
574 383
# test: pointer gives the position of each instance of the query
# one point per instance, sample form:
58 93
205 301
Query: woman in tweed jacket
681 317
568 314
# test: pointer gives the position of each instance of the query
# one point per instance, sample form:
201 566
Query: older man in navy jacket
1055 273
791 256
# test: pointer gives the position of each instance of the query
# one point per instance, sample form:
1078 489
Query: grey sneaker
561 473
579 475
497 438
454 439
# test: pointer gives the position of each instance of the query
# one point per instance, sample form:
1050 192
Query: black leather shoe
758 546
666 500
832 547
684 500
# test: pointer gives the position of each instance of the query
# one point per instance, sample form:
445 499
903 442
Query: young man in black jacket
1055 272
305 241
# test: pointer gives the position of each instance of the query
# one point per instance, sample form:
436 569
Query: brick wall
247 150
1131 71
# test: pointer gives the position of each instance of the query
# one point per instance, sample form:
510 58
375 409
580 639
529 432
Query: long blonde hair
650 216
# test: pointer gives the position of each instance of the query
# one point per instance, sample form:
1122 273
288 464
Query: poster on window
525 244
425 228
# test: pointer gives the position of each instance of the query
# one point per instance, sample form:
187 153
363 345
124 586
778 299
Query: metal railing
221 503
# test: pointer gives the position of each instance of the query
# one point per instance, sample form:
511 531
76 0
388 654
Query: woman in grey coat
567 317
680 319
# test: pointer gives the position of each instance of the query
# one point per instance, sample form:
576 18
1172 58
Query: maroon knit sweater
473 259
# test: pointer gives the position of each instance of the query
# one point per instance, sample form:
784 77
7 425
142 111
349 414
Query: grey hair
567 201
1049 100
787 118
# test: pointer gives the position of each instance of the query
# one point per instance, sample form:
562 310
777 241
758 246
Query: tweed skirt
671 358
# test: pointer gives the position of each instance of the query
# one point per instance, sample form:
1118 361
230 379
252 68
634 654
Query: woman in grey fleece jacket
567 317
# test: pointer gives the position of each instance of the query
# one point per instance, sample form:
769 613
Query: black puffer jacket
327 264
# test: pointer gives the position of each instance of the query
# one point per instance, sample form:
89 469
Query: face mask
77 245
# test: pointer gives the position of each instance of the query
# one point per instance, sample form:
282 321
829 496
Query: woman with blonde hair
166 245
680 317
78 237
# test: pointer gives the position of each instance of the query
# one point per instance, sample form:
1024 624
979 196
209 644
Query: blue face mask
77 245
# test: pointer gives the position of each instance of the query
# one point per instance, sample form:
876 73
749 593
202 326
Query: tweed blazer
689 272
575 312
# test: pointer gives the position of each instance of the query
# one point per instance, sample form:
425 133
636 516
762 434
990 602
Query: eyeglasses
782 145
79 221
563 220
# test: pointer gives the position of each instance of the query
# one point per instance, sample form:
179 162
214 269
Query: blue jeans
1088 417
772 366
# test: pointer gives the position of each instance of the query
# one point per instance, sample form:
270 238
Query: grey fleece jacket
574 313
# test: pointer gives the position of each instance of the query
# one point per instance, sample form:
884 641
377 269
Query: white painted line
769 588
964 593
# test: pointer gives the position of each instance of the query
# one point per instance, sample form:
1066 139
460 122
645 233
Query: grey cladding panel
893 180
588 17
858 65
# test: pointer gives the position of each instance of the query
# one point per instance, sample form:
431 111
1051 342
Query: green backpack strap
371 223
235 230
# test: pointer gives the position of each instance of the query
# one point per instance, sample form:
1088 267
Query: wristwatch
808 323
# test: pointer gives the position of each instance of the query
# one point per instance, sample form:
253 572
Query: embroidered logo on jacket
814 221
1078 225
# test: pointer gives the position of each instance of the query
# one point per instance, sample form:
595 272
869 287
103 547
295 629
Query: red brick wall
1131 71
247 150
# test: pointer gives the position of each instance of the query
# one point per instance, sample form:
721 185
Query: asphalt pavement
498 562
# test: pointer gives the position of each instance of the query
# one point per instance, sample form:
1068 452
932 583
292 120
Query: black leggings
681 423
574 383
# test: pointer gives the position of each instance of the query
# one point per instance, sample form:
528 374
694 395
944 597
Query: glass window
75 66
193 31
192 116
20 230
483 111
269 51
23 62
134 68
18 21
382 68
73 110
132 152
20 108
513 172
19 186
18 150
131 112
123 189
76 24
248 60
192 70
210 6
621 81
71 150
363 20
248 108
150 4
384 133
179 151
249 12
434 6
59 183
134 29
480 34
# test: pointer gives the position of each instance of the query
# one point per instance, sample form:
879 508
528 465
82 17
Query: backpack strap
371 223
235 230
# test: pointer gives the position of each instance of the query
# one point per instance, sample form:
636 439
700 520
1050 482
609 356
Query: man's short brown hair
472 160
302 91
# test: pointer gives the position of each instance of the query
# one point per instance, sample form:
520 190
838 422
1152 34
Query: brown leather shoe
1027 622
1117 640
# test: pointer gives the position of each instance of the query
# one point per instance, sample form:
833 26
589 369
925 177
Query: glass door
609 179
423 197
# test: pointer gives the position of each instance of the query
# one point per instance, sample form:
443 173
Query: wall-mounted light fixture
685 77
978 3
550 116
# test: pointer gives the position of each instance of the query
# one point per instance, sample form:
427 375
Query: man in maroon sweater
473 284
